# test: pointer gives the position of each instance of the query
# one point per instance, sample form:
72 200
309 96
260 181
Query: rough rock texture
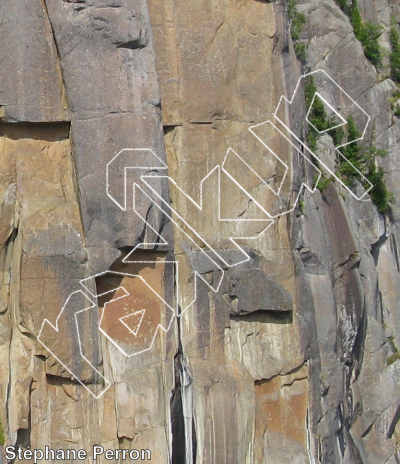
292 358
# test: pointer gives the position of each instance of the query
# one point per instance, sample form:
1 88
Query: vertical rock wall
288 360
78 84
221 71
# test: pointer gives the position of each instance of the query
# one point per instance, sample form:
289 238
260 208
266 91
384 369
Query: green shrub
317 115
356 20
309 90
394 99
370 43
394 102
300 48
367 33
379 192
323 183
312 139
297 21
358 162
342 4
2 437
352 151
375 174
337 134
365 163
394 56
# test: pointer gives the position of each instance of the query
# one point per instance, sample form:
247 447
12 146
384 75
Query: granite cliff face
292 357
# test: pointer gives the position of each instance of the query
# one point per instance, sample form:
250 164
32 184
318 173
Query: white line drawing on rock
123 293
111 165
217 262
147 165
57 329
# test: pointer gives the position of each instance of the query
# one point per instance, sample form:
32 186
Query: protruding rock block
251 290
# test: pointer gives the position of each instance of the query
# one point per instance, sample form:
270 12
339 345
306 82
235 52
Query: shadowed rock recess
295 357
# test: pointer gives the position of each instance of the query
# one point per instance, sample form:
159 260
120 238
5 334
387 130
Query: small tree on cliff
367 33
394 55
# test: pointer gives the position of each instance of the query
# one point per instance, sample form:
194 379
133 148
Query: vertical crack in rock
183 433
394 422
63 91
7 249
184 442
24 435
177 419
185 375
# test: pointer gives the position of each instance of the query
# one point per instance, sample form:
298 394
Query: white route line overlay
55 327
162 166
